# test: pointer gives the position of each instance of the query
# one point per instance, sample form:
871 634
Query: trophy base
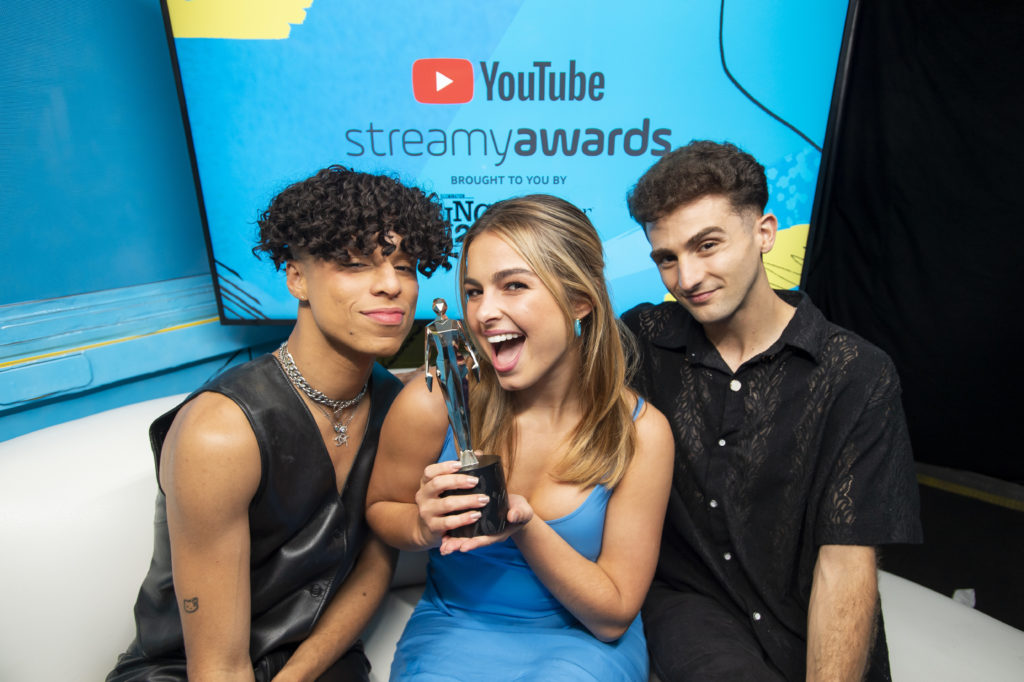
491 482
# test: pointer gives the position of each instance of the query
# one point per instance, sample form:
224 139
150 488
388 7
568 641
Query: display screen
480 101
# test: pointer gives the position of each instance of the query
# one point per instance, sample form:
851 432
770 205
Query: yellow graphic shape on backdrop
785 261
236 19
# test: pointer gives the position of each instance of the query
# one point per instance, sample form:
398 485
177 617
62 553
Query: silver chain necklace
337 407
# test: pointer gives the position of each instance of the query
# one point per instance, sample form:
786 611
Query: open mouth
505 350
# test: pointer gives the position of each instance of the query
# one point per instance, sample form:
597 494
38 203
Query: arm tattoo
191 605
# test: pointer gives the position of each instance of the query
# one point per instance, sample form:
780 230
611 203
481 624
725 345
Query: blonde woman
588 468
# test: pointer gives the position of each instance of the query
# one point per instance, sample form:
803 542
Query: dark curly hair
339 209
694 171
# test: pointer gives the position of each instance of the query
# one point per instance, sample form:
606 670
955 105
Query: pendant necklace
337 408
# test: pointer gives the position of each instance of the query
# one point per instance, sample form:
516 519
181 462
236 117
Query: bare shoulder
652 428
210 451
416 407
644 489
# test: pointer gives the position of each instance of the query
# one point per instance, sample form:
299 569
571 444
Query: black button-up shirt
804 445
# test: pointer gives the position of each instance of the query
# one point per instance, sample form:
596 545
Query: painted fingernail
483 499
472 480
475 515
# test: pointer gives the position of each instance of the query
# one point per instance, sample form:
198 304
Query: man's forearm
842 613
345 617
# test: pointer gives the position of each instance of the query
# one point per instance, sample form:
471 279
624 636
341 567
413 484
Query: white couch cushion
76 528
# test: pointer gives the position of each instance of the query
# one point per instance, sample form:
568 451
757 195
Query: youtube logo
442 81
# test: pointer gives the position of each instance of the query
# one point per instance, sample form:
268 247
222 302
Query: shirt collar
807 331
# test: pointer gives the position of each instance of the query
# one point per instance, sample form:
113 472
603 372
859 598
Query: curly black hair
696 170
339 209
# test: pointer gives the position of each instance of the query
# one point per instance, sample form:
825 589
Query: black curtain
916 239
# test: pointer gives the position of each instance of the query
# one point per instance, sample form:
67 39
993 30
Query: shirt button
756 615
713 504
721 441
727 556
735 384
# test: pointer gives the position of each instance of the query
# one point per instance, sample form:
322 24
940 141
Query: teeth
502 337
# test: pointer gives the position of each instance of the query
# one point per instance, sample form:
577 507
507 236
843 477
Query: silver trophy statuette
447 339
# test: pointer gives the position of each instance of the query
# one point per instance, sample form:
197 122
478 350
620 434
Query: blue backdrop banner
482 101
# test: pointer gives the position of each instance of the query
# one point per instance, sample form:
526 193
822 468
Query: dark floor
969 543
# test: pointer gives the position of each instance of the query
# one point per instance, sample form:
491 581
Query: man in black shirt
793 460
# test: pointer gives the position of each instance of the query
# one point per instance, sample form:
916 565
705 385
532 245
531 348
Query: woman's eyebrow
510 272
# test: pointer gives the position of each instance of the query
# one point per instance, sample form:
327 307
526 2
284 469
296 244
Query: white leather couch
76 503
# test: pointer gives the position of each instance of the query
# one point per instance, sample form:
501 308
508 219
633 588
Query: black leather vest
304 537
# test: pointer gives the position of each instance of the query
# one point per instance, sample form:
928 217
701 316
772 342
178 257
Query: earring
577 328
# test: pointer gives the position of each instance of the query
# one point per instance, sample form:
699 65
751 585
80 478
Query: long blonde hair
561 246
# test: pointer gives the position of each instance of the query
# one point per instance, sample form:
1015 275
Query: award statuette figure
448 341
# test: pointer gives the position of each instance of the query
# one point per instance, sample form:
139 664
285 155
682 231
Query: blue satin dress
484 615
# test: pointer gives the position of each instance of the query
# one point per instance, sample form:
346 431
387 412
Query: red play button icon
442 81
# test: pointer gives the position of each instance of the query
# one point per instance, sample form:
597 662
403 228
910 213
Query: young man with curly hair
264 567
793 460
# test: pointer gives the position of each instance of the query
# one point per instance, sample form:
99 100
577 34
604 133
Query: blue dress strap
639 406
